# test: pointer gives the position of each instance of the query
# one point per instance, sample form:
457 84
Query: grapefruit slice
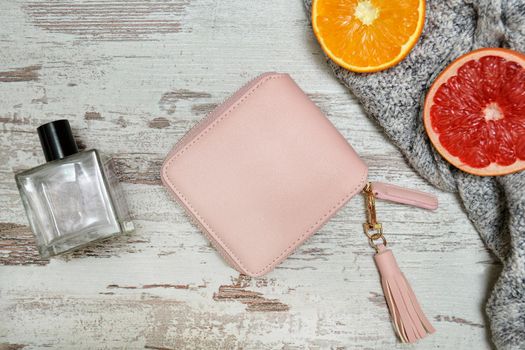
474 112
367 35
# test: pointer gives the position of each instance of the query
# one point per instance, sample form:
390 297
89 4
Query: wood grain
108 20
132 77
6 346
20 74
255 301
17 246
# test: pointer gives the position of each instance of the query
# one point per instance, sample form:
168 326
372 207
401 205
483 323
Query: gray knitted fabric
496 205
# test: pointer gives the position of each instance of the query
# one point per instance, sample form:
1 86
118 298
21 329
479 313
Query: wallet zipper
212 240
195 130
217 111
380 190
410 322
402 195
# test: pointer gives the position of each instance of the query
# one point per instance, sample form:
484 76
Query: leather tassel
409 320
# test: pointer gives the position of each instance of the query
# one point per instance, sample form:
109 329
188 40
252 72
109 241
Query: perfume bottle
73 199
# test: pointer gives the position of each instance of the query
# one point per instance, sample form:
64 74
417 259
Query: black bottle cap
57 139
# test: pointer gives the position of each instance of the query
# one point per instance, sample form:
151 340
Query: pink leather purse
265 170
262 172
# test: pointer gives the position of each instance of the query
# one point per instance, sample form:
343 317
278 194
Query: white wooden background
132 77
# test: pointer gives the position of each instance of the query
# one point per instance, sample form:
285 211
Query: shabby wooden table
132 76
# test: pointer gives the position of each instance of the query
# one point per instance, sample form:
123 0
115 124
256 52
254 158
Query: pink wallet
262 173
266 169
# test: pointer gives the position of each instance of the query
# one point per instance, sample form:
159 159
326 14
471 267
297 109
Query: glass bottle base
80 240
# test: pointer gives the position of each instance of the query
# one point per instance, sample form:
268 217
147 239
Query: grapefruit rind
493 169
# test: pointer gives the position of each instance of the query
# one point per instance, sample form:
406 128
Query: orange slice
367 35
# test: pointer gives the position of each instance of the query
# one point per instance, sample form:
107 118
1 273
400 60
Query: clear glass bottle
73 199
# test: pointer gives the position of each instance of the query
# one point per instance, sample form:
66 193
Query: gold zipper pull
409 320
373 229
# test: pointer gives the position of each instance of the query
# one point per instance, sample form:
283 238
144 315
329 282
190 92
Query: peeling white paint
330 285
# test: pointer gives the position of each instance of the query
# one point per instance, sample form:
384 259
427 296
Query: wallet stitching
223 116
204 223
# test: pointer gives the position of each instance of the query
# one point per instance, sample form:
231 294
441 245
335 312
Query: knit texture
495 205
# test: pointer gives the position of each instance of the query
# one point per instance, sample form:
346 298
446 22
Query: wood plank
133 77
